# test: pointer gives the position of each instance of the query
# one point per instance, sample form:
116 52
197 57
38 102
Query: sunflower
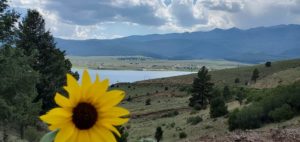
89 114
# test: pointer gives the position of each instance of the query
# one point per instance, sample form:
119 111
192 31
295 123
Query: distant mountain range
251 45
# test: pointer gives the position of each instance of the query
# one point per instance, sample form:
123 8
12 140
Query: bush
284 112
32 135
279 104
247 118
268 64
194 120
218 107
166 88
148 102
237 80
158 134
182 135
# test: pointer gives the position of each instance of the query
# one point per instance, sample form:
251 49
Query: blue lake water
116 76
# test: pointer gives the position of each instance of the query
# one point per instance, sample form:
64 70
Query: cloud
96 11
224 5
77 19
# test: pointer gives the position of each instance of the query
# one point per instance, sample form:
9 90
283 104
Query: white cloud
94 18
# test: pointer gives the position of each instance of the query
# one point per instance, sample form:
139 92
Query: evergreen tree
8 18
268 64
201 89
158 134
226 93
240 95
17 88
218 107
48 60
255 75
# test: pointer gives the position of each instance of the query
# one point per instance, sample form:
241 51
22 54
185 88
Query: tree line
32 69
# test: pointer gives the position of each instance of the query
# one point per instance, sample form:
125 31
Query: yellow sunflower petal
86 81
113 121
64 133
114 112
56 115
83 136
73 137
62 101
110 99
97 90
111 128
73 89
105 134
95 137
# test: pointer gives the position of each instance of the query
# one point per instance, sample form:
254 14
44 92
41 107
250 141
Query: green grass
147 117
146 63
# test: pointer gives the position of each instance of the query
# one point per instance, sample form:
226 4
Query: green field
164 102
169 106
146 63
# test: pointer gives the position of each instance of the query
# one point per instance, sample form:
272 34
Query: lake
116 76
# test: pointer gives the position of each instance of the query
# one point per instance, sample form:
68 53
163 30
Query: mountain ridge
251 45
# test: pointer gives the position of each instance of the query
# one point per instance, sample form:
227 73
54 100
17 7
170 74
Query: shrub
32 135
237 80
182 135
218 107
148 102
284 112
247 118
268 64
158 134
166 88
194 120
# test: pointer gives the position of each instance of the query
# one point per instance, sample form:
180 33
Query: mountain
251 45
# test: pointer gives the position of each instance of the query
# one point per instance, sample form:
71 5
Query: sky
108 19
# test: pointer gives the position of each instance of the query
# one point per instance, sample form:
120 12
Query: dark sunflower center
84 116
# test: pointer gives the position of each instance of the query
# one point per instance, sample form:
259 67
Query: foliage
8 18
194 120
217 107
240 96
237 80
284 112
182 135
281 103
48 60
148 101
17 92
158 134
226 93
201 89
124 134
268 64
255 75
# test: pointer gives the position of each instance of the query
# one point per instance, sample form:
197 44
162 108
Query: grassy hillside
169 104
227 76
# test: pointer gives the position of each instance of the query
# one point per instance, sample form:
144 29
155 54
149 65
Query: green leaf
49 137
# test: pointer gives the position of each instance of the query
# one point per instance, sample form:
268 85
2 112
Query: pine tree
201 89
226 93
48 60
240 95
218 107
255 75
18 88
8 18
158 134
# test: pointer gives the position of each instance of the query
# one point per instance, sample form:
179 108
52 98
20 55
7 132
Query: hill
169 106
251 45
